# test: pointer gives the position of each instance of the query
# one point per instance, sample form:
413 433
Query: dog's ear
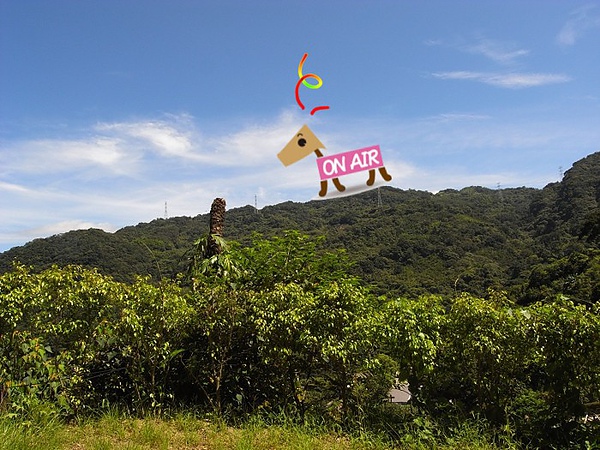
301 145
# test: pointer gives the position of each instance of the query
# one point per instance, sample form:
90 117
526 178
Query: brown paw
340 187
371 179
323 191
386 176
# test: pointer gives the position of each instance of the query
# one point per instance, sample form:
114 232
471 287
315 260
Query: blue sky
110 108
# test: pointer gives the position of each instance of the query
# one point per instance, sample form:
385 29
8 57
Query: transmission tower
166 215
255 204
379 203
498 187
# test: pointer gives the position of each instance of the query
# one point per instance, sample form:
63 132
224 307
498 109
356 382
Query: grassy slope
186 433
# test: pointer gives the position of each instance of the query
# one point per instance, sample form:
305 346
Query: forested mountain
532 243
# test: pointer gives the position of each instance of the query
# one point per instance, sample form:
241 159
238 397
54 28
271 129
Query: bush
281 326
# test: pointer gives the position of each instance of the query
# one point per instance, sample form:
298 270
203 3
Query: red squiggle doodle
303 81
300 104
318 108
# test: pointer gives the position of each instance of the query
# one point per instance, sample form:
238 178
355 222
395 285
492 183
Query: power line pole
498 187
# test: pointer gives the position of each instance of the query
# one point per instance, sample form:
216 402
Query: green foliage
412 331
536 368
482 355
78 338
298 335
112 254
322 344
282 325
30 375
47 324
205 269
567 337
576 276
291 258
417 243
219 348
150 333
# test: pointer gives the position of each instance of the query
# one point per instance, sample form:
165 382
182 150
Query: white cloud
179 138
450 117
497 51
11 187
255 144
60 227
147 148
502 53
165 162
45 156
433 42
582 20
168 139
118 174
506 80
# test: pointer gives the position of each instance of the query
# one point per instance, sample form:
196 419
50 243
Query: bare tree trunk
217 219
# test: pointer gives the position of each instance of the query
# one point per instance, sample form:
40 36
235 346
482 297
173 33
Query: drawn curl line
309 75
303 81
316 108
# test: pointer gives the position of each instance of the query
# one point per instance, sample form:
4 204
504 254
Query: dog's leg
386 176
371 179
340 187
323 191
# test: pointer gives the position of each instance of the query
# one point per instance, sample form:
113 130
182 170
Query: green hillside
529 242
278 328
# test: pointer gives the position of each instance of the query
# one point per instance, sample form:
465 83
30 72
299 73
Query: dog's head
301 145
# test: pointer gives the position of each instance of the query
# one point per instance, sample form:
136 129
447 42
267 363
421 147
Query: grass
186 432
181 432
14 436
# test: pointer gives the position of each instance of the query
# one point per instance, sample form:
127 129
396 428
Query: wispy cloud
500 52
581 20
453 149
14 188
168 139
60 227
254 144
503 54
132 148
451 117
106 155
121 173
506 80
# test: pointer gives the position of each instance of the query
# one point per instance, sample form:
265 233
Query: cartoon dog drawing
305 142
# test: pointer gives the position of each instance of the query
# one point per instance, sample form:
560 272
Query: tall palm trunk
217 219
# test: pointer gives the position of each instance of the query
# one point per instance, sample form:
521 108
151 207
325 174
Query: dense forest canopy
280 326
484 301
529 242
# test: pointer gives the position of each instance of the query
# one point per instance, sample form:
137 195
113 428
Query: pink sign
334 166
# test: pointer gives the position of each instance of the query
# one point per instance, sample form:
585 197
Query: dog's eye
301 142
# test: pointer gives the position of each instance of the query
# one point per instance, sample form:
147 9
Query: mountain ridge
473 239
